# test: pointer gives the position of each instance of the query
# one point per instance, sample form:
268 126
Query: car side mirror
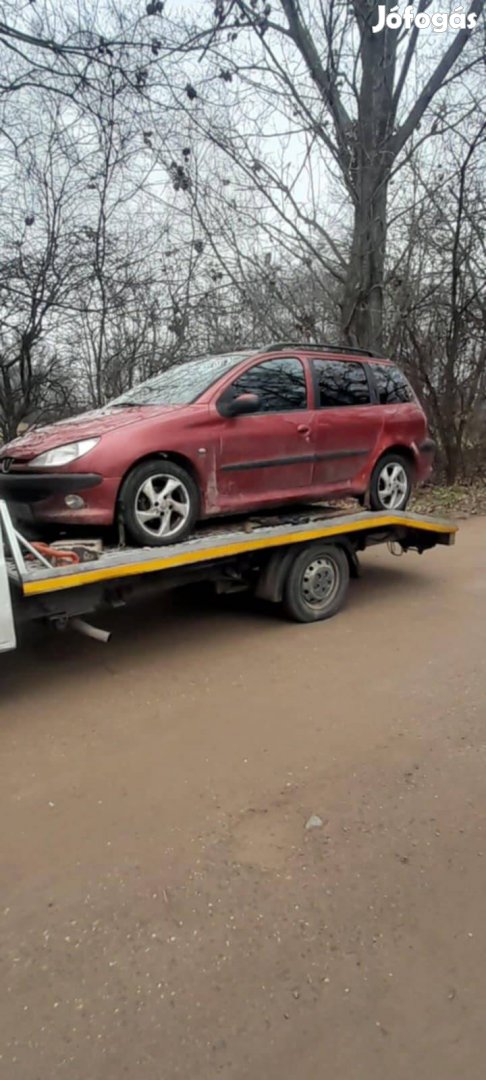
240 405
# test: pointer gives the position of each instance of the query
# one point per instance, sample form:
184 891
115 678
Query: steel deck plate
212 545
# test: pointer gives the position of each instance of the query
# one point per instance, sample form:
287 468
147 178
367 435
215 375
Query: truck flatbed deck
303 558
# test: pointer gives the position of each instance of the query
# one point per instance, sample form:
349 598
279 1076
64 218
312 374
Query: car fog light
74 502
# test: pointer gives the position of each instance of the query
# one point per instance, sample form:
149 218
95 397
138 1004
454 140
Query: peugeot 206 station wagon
229 434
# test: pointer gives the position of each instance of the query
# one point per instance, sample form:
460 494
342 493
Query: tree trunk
452 452
369 163
362 308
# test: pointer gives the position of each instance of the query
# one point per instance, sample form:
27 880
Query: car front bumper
17 486
45 494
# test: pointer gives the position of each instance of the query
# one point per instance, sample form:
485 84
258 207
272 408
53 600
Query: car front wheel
159 503
391 483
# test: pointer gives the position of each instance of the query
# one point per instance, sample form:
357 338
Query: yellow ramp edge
221 551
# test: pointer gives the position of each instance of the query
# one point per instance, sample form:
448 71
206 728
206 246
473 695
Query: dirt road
165 913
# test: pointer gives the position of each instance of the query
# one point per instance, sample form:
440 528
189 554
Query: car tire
391 483
317 583
170 492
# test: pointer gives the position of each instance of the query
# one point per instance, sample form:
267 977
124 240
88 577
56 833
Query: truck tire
317 583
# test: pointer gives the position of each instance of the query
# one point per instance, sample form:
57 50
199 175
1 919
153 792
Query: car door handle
303 430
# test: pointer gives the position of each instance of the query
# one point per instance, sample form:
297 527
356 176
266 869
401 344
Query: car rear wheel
317 583
159 503
391 483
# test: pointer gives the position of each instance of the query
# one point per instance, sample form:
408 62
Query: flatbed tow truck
300 559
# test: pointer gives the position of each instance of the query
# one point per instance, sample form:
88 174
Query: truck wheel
391 483
159 503
317 583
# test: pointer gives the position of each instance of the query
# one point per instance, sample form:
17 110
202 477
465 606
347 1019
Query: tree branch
434 84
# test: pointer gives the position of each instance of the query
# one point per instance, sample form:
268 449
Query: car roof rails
307 347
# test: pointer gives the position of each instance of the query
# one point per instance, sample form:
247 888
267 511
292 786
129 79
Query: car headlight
63 455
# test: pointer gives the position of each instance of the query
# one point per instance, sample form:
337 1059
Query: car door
266 455
346 423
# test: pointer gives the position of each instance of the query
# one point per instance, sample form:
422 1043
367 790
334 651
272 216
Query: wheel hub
319 581
392 485
162 505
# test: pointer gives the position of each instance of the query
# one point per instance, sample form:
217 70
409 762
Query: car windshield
182 383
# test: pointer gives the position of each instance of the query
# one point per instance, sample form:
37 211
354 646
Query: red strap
57 556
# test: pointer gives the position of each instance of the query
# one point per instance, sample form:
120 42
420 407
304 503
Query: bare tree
437 301
38 278
354 93
69 50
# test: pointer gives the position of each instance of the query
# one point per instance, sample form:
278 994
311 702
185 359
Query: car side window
340 383
391 385
280 384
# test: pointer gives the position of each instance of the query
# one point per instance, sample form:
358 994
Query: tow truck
300 559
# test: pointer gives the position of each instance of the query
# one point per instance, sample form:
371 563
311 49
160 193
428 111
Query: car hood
87 426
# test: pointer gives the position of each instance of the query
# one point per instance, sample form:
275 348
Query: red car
229 434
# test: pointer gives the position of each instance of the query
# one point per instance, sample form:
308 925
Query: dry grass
457 501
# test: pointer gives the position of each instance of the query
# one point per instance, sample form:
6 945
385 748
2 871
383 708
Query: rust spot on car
212 497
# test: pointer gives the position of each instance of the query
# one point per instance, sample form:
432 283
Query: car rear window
340 383
391 384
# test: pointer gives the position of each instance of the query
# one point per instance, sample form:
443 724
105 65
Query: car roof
344 352
341 352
